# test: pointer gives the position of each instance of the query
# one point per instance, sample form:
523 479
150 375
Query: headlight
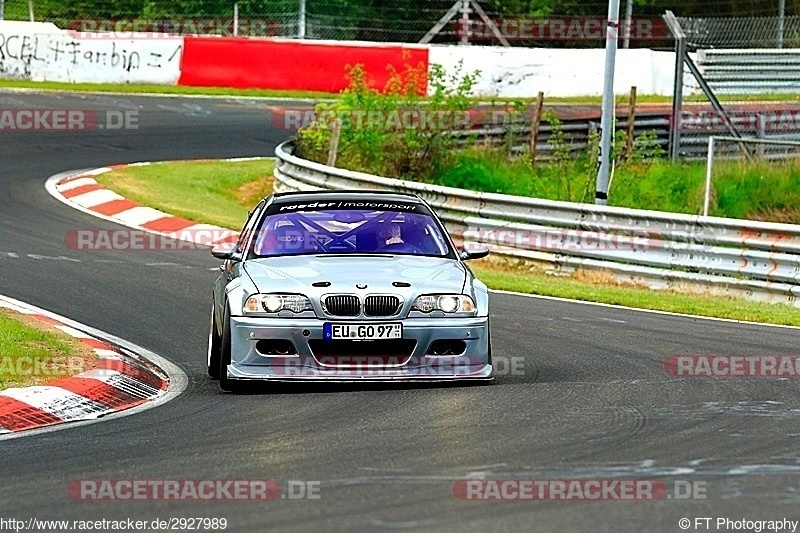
274 303
447 303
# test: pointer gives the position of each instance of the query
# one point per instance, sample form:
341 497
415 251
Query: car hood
381 274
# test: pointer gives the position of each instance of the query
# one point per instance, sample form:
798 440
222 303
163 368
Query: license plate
362 331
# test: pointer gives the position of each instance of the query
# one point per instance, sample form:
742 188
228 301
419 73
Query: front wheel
489 342
226 384
214 343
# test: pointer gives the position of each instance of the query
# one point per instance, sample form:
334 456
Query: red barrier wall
288 65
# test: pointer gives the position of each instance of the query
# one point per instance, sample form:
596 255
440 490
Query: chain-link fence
741 32
565 24
737 77
397 21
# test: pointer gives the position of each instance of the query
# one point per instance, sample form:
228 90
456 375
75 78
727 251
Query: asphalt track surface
590 398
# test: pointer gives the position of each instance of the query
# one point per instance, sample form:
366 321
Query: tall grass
643 179
758 190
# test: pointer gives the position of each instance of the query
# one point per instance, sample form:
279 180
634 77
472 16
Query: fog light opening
275 347
447 347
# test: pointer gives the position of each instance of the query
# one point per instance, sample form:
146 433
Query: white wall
523 72
42 52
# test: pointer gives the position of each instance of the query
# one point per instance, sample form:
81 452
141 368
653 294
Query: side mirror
226 251
473 251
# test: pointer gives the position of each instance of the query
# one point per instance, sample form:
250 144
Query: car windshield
344 231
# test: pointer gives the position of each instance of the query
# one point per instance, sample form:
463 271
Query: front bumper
248 363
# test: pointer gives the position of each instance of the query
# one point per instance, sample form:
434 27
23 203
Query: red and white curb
126 378
80 190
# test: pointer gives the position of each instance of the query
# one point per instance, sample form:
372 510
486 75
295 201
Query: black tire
489 340
226 384
214 343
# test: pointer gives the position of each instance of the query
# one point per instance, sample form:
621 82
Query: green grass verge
204 191
213 192
265 93
757 190
621 99
33 352
160 89
520 278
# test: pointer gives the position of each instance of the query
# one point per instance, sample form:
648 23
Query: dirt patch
516 265
786 215
250 193
40 369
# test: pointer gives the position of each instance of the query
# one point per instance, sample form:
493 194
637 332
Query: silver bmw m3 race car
347 287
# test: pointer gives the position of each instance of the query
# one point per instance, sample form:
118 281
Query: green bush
396 132
643 179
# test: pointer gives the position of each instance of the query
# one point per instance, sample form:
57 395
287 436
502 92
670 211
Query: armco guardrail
751 71
778 121
577 130
757 260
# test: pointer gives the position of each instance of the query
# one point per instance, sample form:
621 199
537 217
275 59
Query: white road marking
93 198
136 216
58 402
639 310
72 332
178 380
74 184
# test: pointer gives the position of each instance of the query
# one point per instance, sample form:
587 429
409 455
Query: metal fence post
631 130
333 150
709 167
626 41
535 123
465 21
677 88
301 22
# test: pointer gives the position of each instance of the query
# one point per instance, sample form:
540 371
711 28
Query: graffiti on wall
60 57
